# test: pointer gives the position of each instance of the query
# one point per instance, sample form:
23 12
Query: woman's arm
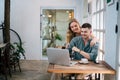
94 40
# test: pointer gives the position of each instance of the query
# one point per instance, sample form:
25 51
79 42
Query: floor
32 70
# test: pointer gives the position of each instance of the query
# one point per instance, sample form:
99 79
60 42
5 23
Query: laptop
59 56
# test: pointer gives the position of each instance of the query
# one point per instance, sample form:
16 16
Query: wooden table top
90 67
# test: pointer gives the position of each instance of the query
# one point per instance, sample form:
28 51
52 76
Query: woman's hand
66 45
94 40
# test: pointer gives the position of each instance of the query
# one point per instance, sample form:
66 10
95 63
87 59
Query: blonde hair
70 34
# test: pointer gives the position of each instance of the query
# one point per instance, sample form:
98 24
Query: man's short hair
87 25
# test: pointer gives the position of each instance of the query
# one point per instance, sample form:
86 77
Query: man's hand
76 49
86 55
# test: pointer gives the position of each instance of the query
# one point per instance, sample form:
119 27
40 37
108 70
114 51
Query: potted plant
16 51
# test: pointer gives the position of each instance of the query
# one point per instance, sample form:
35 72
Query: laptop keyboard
73 63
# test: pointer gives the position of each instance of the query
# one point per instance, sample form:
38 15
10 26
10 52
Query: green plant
58 37
17 50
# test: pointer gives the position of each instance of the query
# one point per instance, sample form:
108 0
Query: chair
4 60
100 57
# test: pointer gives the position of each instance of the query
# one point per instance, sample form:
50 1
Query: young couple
81 42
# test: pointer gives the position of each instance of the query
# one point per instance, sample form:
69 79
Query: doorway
53 28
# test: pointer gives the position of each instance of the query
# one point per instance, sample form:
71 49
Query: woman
74 30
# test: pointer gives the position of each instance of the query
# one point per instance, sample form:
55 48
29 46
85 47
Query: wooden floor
32 70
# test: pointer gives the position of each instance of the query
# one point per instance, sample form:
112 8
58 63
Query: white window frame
98 30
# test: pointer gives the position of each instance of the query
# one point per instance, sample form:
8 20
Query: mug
84 60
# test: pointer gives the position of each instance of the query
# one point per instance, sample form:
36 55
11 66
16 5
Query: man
80 46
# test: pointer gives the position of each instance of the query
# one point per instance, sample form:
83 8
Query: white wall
25 19
1 17
118 46
110 35
1 11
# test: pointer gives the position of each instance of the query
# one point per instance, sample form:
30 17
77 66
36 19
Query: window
97 15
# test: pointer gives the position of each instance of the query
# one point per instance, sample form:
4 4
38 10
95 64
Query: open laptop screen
58 56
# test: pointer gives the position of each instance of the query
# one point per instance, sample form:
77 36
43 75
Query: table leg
97 76
62 77
90 77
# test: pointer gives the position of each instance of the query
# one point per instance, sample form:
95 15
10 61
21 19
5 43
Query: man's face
85 33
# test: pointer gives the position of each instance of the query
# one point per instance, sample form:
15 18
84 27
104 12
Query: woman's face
75 27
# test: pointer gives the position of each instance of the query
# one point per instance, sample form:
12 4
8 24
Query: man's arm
73 43
92 55
83 53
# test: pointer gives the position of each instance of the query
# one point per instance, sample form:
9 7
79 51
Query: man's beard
85 37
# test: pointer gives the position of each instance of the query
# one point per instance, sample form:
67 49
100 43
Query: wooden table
91 67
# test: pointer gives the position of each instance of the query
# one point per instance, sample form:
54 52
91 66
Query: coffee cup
84 60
